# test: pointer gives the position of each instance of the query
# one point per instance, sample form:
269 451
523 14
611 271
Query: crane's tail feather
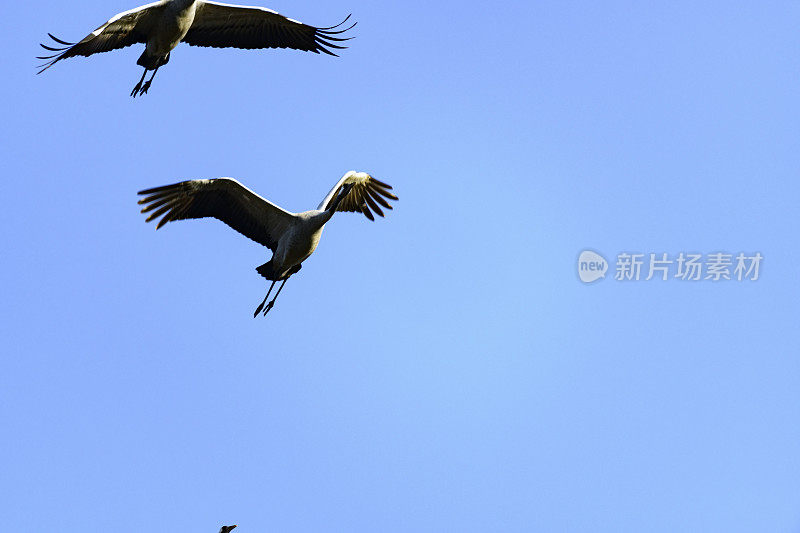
266 271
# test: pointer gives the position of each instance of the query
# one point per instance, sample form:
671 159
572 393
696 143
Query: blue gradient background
442 369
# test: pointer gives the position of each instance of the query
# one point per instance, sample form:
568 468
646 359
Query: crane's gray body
169 29
299 242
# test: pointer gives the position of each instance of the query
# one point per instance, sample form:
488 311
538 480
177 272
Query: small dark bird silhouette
161 26
227 529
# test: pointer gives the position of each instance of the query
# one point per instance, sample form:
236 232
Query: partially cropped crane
161 26
292 237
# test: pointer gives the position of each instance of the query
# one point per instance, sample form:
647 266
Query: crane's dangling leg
269 305
147 85
138 86
261 305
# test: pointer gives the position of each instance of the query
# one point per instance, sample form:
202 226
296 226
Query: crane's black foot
145 87
261 306
136 89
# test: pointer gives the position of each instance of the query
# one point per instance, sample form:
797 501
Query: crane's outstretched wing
226 25
124 29
224 199
366 194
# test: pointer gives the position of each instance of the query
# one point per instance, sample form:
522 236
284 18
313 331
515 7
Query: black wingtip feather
377 197
337 25
52 48
325 38
385 193
371 203
158 189
326 31
367 213
158 212
56 39
382 184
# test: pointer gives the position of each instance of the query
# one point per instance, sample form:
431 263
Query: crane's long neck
343 192
320 218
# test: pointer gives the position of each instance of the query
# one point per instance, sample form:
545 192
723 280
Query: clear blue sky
442 369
